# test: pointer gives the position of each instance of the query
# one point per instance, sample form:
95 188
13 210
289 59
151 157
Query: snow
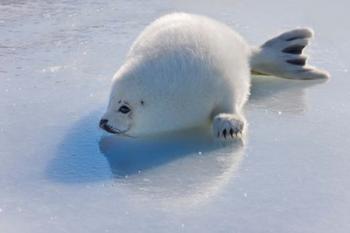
60 173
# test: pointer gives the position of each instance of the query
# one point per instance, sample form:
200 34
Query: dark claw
224 133
231 132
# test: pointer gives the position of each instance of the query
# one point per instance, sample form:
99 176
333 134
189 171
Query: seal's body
186 70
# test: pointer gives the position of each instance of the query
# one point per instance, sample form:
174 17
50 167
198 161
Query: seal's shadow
78 159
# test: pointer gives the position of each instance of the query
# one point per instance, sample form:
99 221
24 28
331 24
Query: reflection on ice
280 95
186 168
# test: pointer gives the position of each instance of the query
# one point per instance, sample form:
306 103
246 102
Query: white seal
187 71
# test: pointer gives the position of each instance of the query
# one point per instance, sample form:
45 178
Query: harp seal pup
186 71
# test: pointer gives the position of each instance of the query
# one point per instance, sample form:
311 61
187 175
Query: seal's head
124 109
149 98
131 110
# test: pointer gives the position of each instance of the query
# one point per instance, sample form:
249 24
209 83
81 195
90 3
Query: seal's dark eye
124 109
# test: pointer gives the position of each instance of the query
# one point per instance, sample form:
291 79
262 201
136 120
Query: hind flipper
283 56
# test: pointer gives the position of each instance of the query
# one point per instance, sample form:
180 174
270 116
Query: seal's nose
103 123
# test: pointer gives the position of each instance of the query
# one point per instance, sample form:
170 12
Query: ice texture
60 173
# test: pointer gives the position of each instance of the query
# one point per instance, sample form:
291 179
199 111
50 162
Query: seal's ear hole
142 102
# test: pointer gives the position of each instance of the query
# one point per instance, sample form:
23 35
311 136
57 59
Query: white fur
186 70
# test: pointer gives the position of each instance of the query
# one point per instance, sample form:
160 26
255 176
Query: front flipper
228 126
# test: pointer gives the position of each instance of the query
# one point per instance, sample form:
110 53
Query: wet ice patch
52 69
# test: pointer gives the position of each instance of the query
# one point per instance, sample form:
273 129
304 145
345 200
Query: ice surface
59 173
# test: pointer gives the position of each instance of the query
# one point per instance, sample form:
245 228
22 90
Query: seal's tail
283 56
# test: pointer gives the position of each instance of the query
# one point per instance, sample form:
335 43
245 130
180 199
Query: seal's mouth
111 130
103 125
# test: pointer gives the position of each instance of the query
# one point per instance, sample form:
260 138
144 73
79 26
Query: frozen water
59 173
